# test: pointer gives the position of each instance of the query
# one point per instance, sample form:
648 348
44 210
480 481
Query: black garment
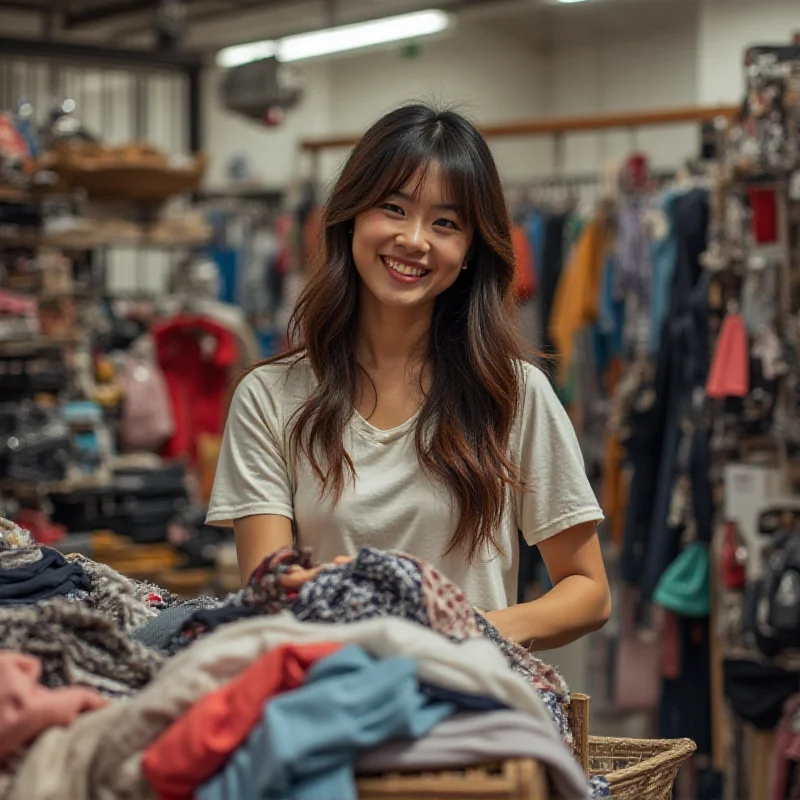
550 271
650 544
466 702
51 576
757 692
685 708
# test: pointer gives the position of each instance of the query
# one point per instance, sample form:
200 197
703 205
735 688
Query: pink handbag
147 419
637 680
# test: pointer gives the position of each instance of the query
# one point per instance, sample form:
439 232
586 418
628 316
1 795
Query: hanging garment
146 411
685 586
651 544
685 709
468 739
786 749
103 750
729 375
552 266
197 356
524 274
763 205
299 752
576 298
663 258
27 708
610 328
197 746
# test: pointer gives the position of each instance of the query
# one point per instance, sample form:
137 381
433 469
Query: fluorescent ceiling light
339 39
571 1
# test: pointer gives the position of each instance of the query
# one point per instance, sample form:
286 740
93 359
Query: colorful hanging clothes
524 272
197 356
576 298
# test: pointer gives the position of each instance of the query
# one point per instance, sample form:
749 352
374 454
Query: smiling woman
404 416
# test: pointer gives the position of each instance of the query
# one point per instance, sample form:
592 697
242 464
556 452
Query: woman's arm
256 537
578 603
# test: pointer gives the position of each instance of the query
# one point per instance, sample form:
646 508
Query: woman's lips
403 273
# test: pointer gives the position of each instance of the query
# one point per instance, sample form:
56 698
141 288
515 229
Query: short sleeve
252 475
551 463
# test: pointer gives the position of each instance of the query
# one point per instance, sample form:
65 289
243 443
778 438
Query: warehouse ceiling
216 23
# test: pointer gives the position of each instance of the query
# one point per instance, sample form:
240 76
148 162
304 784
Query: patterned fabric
114 595
77 646
263 594
447 606
19 557
600 788
544 677
12 537
374 584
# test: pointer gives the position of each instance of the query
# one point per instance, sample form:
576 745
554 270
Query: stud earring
465 266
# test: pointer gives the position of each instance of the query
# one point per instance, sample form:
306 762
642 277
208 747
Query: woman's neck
392 336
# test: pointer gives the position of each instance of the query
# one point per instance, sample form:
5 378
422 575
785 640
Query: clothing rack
557 126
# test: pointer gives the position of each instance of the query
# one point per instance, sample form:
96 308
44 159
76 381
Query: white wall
619 65
568 60
484 74
726 28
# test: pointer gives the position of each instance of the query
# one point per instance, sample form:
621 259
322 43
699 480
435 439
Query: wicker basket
637 769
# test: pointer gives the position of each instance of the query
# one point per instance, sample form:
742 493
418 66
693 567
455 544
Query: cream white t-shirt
393 504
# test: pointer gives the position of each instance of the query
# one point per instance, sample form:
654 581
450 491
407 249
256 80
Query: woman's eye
447 223
395 209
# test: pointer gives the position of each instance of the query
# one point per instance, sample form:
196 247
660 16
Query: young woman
404 416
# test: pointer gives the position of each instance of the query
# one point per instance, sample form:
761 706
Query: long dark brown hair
474 351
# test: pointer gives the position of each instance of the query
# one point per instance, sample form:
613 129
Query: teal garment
685 586
663 258
536 234
307 743
610 327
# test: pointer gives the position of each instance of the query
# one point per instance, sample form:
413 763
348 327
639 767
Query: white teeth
404 269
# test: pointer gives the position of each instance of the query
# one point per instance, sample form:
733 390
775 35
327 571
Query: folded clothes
308 740
27 708
469 738
77 646
50 576
196 747
380 584
103 750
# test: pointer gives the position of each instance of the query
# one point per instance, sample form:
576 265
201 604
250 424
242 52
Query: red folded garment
196 746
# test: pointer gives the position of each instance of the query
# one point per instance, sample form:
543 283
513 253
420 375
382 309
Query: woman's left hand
297 576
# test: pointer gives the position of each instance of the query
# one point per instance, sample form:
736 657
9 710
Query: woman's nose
412 236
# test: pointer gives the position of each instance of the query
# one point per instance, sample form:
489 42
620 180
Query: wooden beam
551 126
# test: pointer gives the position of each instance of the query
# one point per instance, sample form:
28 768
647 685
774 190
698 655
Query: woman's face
412 246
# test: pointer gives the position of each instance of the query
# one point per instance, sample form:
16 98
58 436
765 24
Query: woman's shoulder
537 397
534 381
284 381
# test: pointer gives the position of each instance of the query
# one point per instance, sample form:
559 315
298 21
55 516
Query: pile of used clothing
285 689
